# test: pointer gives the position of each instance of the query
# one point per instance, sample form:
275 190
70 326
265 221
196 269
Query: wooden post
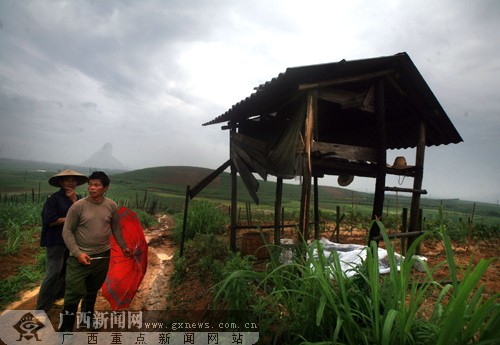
183 234
419 228
316 209
234 201
337 225
404 229
282 220
306 165
249 213
378 200
277 210
471 226
339 219
304 204
417 182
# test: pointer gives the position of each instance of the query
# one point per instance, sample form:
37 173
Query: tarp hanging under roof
274 155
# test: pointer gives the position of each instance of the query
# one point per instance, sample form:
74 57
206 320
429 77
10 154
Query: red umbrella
126 274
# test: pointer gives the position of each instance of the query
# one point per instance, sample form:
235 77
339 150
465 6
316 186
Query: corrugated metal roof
408 100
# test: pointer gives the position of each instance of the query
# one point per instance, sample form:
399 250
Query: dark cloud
147 74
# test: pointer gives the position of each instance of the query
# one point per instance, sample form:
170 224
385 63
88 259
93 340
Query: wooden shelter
334 119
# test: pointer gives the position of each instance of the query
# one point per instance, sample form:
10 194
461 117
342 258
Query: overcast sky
144 75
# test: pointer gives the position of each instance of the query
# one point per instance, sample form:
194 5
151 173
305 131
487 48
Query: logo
28 326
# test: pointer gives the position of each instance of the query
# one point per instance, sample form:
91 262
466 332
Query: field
192 280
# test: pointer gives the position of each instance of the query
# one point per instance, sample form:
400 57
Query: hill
169 183
172 180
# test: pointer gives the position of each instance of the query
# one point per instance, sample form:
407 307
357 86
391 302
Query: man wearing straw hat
53 216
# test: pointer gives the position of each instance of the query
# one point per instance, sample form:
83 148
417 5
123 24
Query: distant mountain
103 159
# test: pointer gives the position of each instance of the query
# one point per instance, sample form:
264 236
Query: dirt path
152 293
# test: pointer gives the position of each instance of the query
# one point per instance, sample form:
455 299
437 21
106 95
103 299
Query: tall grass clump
27 276
204 217
461 312
147 220
18 223
28 213
313 301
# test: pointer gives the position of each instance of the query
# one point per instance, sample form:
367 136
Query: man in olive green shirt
87 230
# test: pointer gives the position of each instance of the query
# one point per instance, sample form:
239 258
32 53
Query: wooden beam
411 234
343 167
405 190
346 80
348 99
206 181
349 152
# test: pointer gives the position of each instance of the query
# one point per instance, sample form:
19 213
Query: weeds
315 302
203 218
28 276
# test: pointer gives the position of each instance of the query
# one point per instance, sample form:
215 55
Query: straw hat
400 163
345 180
54 180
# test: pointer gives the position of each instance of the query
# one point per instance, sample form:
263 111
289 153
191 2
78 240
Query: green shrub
147 220
206 254
180 271
235 289
203 218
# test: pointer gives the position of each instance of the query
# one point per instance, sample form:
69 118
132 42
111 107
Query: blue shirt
56 206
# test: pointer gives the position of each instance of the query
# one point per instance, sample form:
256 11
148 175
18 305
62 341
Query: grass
18 224
28 276
301 303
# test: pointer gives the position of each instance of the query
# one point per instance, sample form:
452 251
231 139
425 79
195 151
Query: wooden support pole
404 229
417 182
471 227
304 204
339 219
378 200
282 221
234 202
316 209
184 224
277 210
312 98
